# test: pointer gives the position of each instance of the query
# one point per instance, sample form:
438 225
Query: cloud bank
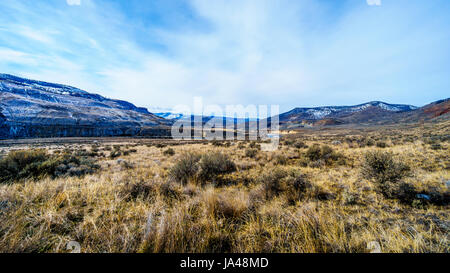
291 53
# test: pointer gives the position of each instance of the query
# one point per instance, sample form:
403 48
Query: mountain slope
318 113
371 113
435 110
31 108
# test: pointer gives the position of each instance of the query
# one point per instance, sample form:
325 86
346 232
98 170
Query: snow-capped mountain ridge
316 113
58 93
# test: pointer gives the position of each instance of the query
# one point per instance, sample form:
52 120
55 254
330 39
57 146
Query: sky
161 53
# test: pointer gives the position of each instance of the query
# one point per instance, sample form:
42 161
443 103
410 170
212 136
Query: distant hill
30 108
371 113
205 119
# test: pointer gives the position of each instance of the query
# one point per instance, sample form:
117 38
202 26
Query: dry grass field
335 190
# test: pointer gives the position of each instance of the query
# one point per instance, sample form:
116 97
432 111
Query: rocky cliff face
31 108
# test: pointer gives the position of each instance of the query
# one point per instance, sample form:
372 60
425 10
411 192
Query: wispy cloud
292 53
73 2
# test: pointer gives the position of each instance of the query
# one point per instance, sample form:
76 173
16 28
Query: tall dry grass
290 200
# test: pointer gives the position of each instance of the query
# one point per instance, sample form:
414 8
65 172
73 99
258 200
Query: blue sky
160 53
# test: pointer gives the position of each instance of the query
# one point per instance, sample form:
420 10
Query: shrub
288 142
214 164
35 164
281 159
115 154
300 144
326 152
402 191
324 155
69 165
350 198
381 144
382 167
437 196
21 164
436 146
251 153
279 180
217 143
134 190
255 145
274 182
169 152
370 142
171 191
186 167
314 152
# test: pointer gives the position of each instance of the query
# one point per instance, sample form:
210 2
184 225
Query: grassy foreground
317 193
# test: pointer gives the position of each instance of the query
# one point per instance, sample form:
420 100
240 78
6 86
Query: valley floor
320 192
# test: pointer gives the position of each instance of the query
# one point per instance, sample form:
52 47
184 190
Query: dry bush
436 146
171 191
279 180
251 152
324 155
299 144
140 189
217 143
115 154
281 159
241 145
381 144
169 152
314 153
255 145
382 167
370 142
21 164
186 167
215 164
35 164
404 192
204 168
